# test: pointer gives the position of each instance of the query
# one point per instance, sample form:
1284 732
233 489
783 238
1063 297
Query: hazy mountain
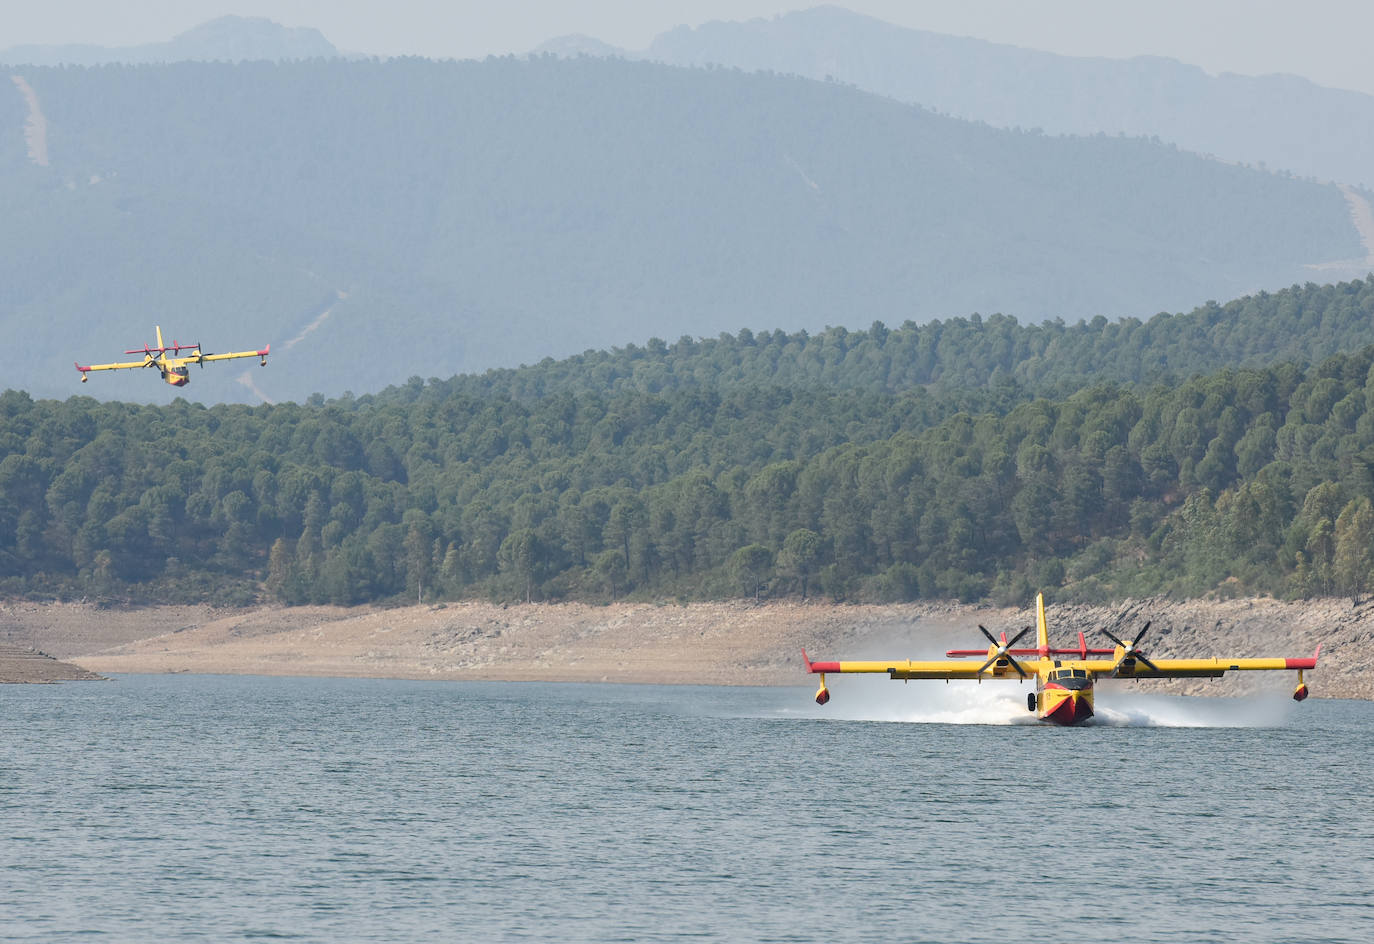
225 39
377 220
577 44
1283 121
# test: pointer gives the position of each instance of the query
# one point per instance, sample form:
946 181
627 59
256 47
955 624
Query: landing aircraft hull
1061 706
1064 676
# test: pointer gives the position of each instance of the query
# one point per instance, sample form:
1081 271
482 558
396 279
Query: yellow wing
202 358
908 669
1191 668
123 365
199 358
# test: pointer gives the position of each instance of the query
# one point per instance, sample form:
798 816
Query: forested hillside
376 220
1249 480
1303 324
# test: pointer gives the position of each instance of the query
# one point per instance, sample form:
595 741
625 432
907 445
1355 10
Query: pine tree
1354 555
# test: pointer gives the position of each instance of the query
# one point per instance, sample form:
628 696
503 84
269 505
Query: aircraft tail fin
160 345
1042 629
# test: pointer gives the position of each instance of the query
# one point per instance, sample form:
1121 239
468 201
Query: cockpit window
1076 680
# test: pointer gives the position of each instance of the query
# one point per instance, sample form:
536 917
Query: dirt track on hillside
708 643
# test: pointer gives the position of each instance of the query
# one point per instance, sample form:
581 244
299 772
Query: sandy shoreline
736 643
26 664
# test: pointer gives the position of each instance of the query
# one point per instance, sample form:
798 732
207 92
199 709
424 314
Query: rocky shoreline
24 664
732 643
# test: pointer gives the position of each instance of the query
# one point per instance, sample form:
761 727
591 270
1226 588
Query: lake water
196 808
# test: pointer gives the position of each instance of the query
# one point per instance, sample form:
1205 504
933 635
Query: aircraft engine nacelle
1300 692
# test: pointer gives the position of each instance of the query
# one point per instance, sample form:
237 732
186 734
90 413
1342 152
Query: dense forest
1303 324
417 217
1242 480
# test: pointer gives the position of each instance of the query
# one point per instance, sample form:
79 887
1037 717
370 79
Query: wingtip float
823 693
1064 677
174 369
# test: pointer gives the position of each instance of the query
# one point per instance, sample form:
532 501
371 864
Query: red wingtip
1304 663
805 659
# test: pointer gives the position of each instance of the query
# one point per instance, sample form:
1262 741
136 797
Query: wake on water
1129 709
1001 704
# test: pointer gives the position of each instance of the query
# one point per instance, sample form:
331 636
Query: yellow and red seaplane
176 368
1063 677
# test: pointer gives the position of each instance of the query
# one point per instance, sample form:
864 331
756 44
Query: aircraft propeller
1002 647
1130 650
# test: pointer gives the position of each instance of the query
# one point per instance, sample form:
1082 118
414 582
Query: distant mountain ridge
224 39
1283 121
375 220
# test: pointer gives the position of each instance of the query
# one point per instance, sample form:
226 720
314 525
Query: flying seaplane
176 368
1063 686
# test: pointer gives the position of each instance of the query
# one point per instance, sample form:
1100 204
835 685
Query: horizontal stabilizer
1081 653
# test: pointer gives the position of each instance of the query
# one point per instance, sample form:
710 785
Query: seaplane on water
1063 677
175 369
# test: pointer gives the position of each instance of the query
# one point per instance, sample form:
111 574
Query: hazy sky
1324 40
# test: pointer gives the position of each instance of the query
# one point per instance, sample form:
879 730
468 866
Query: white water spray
1003 703
1134 710
924 703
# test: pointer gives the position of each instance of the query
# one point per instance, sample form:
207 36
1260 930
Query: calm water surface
180 808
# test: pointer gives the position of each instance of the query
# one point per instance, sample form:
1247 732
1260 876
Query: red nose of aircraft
1067 707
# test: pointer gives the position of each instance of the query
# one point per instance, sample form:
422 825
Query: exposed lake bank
733 643
26 664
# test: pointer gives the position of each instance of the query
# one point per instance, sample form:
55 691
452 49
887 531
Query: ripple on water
185 808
